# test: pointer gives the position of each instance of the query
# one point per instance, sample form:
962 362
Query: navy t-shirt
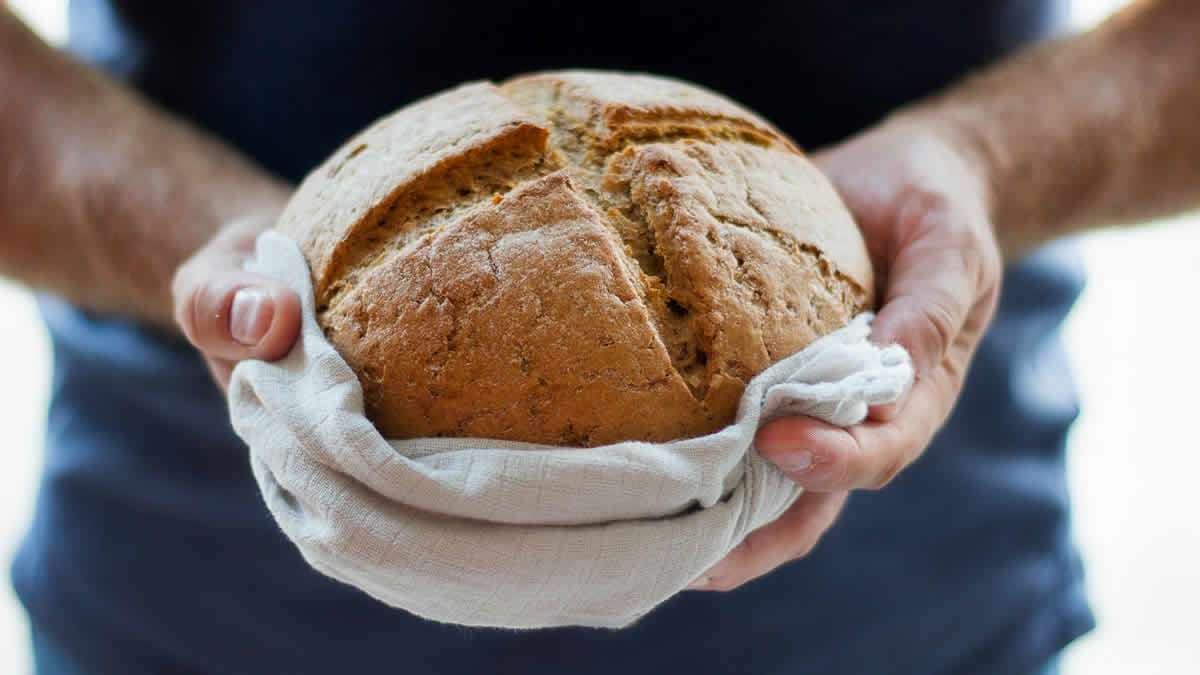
151 550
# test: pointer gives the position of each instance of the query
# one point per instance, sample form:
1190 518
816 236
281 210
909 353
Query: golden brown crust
615 106
516 327
752 289
338 205
572 258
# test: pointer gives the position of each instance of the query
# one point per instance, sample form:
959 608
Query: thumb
231 314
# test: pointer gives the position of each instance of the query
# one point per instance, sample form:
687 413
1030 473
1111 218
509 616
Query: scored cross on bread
572 258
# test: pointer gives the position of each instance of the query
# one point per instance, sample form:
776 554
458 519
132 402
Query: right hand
921 198
230 314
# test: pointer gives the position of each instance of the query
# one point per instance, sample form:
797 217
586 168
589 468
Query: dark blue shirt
151 550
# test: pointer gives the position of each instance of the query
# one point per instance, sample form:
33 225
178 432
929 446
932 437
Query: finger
792 536
231 314
812 453
823 457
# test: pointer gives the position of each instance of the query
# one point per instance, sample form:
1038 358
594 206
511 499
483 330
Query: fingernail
699 584
250 316
796 461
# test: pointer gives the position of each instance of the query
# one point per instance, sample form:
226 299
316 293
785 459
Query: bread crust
572 258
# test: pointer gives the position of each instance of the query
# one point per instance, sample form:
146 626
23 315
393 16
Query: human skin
103 196
1098 129
1092 130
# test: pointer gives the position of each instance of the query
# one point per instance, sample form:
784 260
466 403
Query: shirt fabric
151 550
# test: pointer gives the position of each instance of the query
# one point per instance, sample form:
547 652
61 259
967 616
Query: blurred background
1133 460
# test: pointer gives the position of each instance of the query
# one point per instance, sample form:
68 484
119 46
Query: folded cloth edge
494 533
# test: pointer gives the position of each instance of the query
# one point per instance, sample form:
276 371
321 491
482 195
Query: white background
1134 456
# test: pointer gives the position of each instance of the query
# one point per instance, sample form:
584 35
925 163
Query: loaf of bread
572 258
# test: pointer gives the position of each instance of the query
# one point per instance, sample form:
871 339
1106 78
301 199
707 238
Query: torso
152 551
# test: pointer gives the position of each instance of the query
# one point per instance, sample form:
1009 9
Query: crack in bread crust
499 283
687 195
599 147
444 195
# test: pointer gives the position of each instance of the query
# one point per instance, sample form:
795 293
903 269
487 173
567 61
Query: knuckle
940 319
932 332
922 211
841 468
984 261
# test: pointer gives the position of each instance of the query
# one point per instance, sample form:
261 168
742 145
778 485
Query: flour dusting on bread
573 258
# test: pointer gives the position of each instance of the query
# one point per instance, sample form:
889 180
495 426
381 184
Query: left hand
921 200
227 313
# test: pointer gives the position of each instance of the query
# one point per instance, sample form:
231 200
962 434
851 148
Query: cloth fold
495 533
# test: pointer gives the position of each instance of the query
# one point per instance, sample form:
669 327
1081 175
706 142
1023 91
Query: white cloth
494 533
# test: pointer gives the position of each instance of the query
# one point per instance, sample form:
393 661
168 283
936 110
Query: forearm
102 194
1097 129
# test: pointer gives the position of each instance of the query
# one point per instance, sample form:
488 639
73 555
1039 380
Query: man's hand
228 313
1095 129
103 195
922 204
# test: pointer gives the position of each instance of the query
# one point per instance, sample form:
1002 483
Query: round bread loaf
572 258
